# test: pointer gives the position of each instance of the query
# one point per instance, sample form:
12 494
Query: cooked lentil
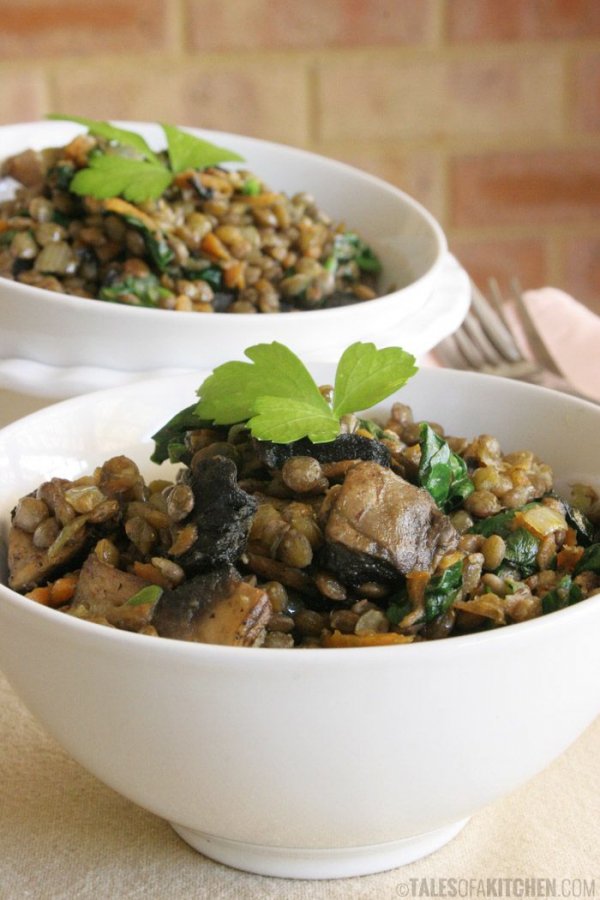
215 241
506 564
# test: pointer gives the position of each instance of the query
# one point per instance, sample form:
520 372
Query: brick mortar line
519 231
176 23
464 145
368 52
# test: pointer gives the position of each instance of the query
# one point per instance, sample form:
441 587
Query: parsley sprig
143 175
280 401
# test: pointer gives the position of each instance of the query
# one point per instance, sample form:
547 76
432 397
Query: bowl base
340 862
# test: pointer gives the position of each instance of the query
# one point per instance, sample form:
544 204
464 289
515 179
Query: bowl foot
341 862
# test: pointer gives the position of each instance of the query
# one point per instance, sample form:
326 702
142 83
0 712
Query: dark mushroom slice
380 526
216 607
345 446
220 520
104 591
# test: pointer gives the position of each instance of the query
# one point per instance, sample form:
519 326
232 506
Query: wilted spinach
441 471
146 288
442 590
521 551
590 561
566 593
169 440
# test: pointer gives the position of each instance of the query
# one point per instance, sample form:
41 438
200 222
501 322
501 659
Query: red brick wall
488 111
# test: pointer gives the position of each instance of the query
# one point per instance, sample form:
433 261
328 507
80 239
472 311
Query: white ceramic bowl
312 763
63 330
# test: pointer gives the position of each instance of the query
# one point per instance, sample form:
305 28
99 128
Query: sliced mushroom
380 526
214 608
30 566
104 591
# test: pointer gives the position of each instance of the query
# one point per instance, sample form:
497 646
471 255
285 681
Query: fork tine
495 322
534 338
476 331
469 349
449 355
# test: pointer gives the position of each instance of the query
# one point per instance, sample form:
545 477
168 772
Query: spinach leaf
590 561
169 440
441 471
146 288
156 246
580 522
348 247
500 524
442 591
521 551
566 593
399 606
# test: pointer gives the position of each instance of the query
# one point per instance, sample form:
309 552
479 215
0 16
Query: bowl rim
73 301
200 651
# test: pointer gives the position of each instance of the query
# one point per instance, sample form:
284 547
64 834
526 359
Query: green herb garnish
279 398
144 175
149 594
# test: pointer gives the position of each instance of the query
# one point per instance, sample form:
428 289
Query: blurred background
487 111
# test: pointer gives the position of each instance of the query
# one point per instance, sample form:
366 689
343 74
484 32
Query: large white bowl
305 763
63 330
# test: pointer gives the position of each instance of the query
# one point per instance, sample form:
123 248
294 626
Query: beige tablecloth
65 836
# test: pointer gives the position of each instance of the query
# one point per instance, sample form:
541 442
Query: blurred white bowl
312 763
62 330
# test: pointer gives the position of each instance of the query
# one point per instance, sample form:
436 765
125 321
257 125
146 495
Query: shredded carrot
234 275
568 557
571 538
40 595
416 582
214 247
63 590
337 639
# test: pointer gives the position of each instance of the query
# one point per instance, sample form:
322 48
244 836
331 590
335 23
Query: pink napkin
570 331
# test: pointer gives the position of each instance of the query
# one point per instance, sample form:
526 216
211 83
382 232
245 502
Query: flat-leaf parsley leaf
145 176
281 402
113 176
189 152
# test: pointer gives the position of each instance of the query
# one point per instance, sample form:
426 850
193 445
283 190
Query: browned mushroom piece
214 608
380 526
29 565
104 591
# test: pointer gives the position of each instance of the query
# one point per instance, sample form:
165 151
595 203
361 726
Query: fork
486 342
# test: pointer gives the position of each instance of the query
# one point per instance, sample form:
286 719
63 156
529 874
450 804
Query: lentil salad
392 532
215 240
